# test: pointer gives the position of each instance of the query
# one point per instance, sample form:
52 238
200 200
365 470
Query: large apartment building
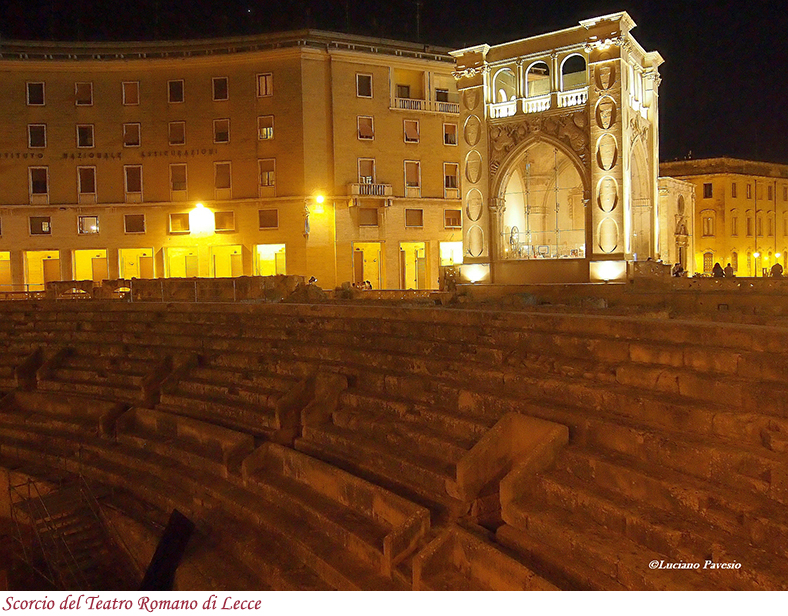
740 214
307 153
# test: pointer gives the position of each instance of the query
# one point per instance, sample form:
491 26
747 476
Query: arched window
707 221
537 79
735 261
770 225
749 223
680 205
708 262
759 222
504 86
734 223
573 72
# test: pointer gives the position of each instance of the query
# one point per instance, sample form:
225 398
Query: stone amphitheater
349 445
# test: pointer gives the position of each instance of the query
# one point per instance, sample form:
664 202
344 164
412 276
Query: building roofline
723 164
130 50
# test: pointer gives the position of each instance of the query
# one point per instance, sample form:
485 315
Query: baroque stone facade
560 140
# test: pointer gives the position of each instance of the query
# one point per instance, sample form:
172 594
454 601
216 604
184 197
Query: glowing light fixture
201 221
318 207
756 254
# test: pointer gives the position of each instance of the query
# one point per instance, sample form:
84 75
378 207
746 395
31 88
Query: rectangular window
451 172
770 195
39 180
367 217
366 127
265 85
133 179
221 131
177 133
36 135
267 172
749 191
414 218
411 131
734 226
733 190
175 91
366 170
221 174
83 93
225 221
35 93
134 223
707 191
403 91
131 135
452 219
86 180
265 127
85 135
87 225
179 223
40 225
749 226
785 193
441 95
269 219
412 174
221 89
449 134
131 92
178 177
363 85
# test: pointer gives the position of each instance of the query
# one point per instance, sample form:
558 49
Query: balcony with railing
415 104
370 190
535 104
573 98
506 109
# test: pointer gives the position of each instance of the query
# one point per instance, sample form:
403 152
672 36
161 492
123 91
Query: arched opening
537 80
642 209
504 86
545 213
573 73
708 262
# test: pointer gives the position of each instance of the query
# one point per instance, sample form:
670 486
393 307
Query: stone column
18 269
497 208
66 257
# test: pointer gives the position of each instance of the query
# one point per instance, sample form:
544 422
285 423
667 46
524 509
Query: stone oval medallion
607 194
473 166
606 152
605 112
472 131
475 241
605 76
474 205
471 98
607 235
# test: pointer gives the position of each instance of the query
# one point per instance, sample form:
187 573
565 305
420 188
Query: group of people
727 272
363 286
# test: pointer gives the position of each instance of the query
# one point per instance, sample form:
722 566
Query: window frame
259 221
456 176
30 135
371 126
80 192
92 136
405 131
371 86
123 85
169 132
139 134
708 190
456 132
268 90
185 188
260 162
414 209
48 220
80 227
446 224
369 209
30 180
126 227
361 177
185 216
43 93
216 165
219 229
170 100
215 135
261 129
76 93
214 81
126 190
405 164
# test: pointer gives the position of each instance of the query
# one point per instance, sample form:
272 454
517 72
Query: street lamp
202 221
756 254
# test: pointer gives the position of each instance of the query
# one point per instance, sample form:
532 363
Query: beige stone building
676 221
560 154
311 153
740 213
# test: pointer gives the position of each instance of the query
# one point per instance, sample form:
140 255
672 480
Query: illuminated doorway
367 263
5 271
91 265
227 261
136 263
270 259
182 263
41 267
413 265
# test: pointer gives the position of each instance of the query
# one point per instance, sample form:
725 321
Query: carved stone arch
499 180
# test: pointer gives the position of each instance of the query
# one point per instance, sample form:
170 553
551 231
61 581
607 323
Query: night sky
725 79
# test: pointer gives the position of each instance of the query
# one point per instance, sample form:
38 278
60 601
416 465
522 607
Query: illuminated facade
108 149
740 214
560 137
